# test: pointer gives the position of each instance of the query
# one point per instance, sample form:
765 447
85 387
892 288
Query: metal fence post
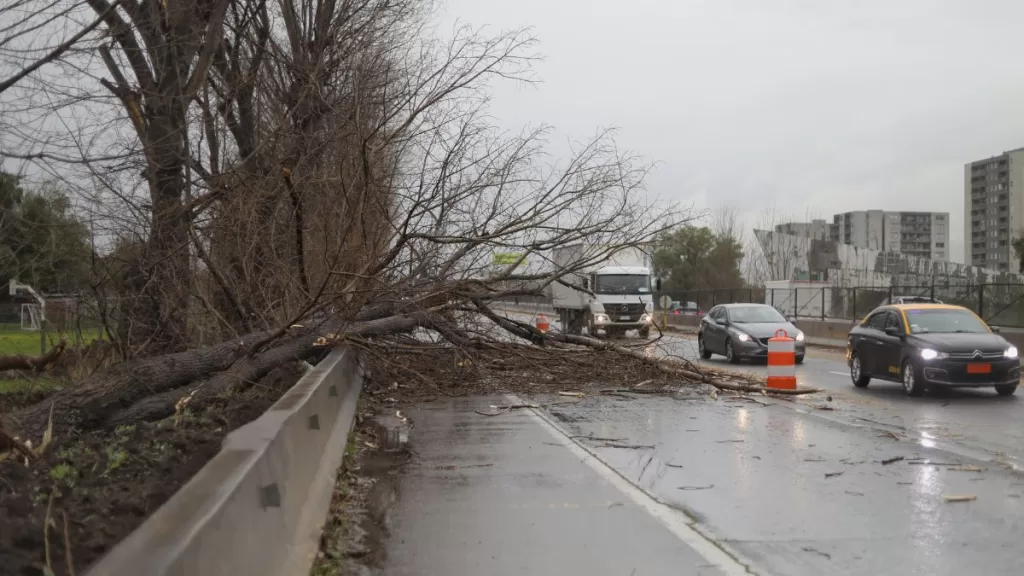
796 303
750 295
933 292
981 301
854 302
890 293
822 303
773 296
713 297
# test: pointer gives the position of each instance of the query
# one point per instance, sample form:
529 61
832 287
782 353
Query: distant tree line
696 258
43 243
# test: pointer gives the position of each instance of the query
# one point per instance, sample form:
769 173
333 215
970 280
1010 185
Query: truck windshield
622 284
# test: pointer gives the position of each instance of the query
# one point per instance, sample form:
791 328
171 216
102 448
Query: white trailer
613 295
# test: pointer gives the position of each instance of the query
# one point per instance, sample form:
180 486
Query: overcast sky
808 106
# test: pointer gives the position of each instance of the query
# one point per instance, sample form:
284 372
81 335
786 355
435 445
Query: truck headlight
929 354
600 319
1010 353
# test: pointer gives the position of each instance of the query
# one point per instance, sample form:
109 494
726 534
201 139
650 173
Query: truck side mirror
657 284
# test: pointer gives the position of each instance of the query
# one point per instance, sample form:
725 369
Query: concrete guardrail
258 507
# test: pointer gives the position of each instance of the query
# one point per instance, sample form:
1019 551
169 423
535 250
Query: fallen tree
33 363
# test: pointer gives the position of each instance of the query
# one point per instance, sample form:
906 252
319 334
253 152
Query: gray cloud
808 106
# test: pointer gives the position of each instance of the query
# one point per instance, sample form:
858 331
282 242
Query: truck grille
627 309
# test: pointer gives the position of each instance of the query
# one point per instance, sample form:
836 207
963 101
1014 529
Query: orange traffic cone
542 323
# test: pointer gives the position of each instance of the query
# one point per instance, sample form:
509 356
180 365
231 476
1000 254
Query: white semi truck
611 296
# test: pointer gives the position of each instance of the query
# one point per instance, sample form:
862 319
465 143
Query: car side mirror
995 329
790 319
893 331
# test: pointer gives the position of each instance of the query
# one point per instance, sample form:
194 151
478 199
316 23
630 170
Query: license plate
979 368
623 318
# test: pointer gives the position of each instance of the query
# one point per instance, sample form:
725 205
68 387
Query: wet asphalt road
798 486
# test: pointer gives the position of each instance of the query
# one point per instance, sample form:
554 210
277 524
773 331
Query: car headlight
929 354
741 336
1011 352
799 336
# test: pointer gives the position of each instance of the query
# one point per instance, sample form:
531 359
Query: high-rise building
920 234
994 210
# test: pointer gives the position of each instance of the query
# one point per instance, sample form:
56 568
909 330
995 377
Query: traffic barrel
781 362
542 323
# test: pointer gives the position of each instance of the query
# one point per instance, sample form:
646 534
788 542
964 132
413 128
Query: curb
257 508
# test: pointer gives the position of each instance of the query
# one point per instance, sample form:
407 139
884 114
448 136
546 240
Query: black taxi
929 345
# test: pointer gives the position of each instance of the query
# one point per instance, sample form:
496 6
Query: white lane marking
689 532
839 373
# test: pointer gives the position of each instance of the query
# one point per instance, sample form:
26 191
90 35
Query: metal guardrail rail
258 507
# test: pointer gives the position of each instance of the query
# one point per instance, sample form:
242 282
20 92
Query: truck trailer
612 296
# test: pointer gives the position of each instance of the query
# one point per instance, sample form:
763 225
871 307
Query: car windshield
755 314
622 284
949 320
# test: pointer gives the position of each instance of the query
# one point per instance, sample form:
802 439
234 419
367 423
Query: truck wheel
645 333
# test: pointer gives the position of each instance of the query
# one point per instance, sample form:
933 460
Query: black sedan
931 345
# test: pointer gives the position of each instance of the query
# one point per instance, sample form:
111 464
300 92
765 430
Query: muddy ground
96 488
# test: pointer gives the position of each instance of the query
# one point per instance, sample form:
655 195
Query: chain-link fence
997 304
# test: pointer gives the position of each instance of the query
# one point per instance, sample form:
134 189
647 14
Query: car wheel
704 353
730 354
912 385
799 359
1006 389
860 379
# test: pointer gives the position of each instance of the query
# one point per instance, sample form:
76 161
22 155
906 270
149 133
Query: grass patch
18 385
14 341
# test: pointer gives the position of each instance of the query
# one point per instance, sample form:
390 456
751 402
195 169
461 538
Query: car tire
730 353
860 379
704 352
912 383
799 359
1006 389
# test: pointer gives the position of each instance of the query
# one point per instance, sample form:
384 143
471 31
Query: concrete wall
257 508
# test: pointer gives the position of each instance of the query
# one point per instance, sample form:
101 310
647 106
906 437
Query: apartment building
994 210
815 229
919 234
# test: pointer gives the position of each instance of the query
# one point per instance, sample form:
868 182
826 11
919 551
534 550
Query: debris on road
670 465
886 433
966 468
818 552
888 461
964 498
708 487
729 441
852 493
503 409
832 474
572 394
